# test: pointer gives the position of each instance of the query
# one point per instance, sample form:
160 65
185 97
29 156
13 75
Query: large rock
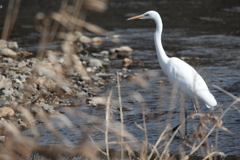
6 112
12 45
8 53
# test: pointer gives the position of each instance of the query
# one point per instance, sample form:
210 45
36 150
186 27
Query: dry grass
63 24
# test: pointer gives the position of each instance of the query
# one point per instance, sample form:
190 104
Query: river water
208 30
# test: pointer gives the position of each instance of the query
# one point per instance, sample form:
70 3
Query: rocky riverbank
31 84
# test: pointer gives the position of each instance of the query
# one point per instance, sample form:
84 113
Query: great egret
179 73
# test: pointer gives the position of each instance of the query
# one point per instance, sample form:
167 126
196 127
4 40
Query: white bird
179 73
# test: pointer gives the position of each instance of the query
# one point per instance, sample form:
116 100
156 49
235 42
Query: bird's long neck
162 57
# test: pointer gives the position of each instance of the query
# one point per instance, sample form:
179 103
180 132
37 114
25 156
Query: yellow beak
136 17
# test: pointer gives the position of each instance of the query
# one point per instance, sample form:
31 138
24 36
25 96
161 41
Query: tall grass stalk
12 13
121 114
154 148
107 123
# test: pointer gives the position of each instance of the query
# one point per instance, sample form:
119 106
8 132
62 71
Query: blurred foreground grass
67 25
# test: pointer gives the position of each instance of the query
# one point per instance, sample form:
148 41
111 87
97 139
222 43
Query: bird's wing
188 81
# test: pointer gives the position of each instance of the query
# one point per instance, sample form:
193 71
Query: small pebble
124 70
89 69
97 40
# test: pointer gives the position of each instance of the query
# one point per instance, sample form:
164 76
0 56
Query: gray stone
35 109
95 78
10 98
6 92
93 62
106 60
104 53
44 91
6 87
17 94
105 75
61 101
71 72
98 55
124 70
2 101
47 107
66 89
96 101
12 45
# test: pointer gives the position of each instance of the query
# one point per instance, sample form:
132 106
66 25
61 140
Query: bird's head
147 15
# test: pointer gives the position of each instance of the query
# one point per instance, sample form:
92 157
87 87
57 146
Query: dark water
205 29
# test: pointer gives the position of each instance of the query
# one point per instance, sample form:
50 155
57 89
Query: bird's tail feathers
212 102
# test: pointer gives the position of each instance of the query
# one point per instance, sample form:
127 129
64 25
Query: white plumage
179 73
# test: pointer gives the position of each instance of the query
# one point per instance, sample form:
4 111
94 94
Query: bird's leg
194 106
183 106
175 128
185 112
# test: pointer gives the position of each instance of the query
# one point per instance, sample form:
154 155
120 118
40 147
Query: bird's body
191 86
179 73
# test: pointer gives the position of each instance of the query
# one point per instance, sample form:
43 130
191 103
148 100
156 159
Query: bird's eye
146 15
